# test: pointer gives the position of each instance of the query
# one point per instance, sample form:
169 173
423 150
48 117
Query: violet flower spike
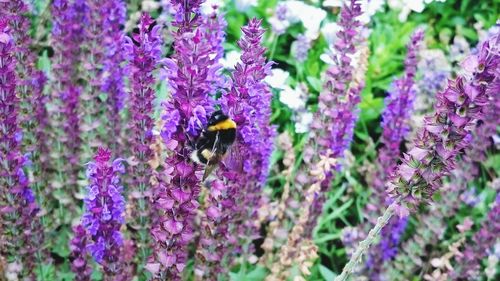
190 73
448 132
469 264
104 208
444 136
333 125
249 104
78 256
395 126
67 32
114 69
18 208
144 50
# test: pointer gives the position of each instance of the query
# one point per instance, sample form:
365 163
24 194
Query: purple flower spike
192 77
67 33
333 125
114 69
144 50
395 118
469 264
399 106
301 48
18 208
78 256
249 103
104 207
448 131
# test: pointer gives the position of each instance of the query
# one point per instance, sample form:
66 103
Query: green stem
365 244
273 47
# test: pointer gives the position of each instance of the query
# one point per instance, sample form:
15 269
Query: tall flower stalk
144 51
104 208
469 263
19 222
114 69
67 33
214 226
191 73
78 256
445 135
333 125
395 126
248 103
33 117
96 32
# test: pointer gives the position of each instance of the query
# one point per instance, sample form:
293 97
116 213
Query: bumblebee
214 142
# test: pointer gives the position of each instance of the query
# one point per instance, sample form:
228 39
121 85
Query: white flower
329 31
293 98
230 60
310 16
304 121
370 8
207 7
244 5
278 78
332 3
327 57
407 6
279 26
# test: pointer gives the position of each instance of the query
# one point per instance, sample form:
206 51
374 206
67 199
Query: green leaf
315 83
45 272
259 273
326 273
44 62
61 247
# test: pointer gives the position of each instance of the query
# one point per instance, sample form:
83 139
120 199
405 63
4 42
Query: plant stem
365 244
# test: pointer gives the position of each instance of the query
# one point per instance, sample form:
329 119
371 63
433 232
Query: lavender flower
192 74
67 33
300 48
395 119
144 50
78 256
449 131
18 208
114 69
446 134
248 102
94 48
333 125
482 242
215 225
104 207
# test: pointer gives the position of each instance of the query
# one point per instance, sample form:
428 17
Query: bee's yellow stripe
224 125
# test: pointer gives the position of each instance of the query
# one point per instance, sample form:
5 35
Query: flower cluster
446 133
395 119
78 256
144 50
18 208
104 207
484 240
215 225
67 32
333 125
192 74
301 48
114 69
248 102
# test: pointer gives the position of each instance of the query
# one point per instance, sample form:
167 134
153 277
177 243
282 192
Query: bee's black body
214 141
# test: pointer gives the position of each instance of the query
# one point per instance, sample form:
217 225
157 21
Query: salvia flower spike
104 208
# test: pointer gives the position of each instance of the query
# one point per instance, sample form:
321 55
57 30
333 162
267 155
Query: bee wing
214 160
234 159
